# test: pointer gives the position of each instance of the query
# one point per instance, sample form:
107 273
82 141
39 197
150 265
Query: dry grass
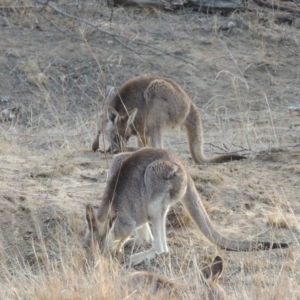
241 80
295 169
67 276
279 221
271 197
214 178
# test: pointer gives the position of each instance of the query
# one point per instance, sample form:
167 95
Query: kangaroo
211 289
145 107
140 189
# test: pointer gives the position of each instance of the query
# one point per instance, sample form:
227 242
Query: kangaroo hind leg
156 137
142 236
164 181
157 214
159 243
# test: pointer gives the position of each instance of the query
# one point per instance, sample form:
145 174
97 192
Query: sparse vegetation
277 220
241 70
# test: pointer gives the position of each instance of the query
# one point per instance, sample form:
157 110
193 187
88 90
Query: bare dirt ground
242 71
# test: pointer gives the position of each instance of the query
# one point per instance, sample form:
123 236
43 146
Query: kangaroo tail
193 204
194 129
225 158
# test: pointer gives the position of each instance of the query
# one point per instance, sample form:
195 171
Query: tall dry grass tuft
279 221
63 280
64 274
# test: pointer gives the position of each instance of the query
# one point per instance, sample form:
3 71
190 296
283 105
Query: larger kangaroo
145 107
141 187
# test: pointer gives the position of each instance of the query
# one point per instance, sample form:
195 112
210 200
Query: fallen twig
92 179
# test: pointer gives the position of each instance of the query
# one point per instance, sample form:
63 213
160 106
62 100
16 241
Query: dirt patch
241 70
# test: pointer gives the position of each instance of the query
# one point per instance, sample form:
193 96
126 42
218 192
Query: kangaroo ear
216 268
131 116
91 218
112 115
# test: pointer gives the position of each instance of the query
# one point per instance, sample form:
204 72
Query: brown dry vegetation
242 71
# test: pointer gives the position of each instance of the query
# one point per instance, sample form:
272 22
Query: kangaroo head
118 129
211 273
92 235
97 231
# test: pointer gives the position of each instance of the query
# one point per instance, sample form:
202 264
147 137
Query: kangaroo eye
206 274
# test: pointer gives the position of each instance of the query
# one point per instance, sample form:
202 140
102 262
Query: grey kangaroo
140 189
145 107
161 285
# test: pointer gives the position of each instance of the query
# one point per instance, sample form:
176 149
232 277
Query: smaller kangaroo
140 189
211 289
145 107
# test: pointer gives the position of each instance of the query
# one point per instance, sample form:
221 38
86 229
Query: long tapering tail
193 126
197 211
